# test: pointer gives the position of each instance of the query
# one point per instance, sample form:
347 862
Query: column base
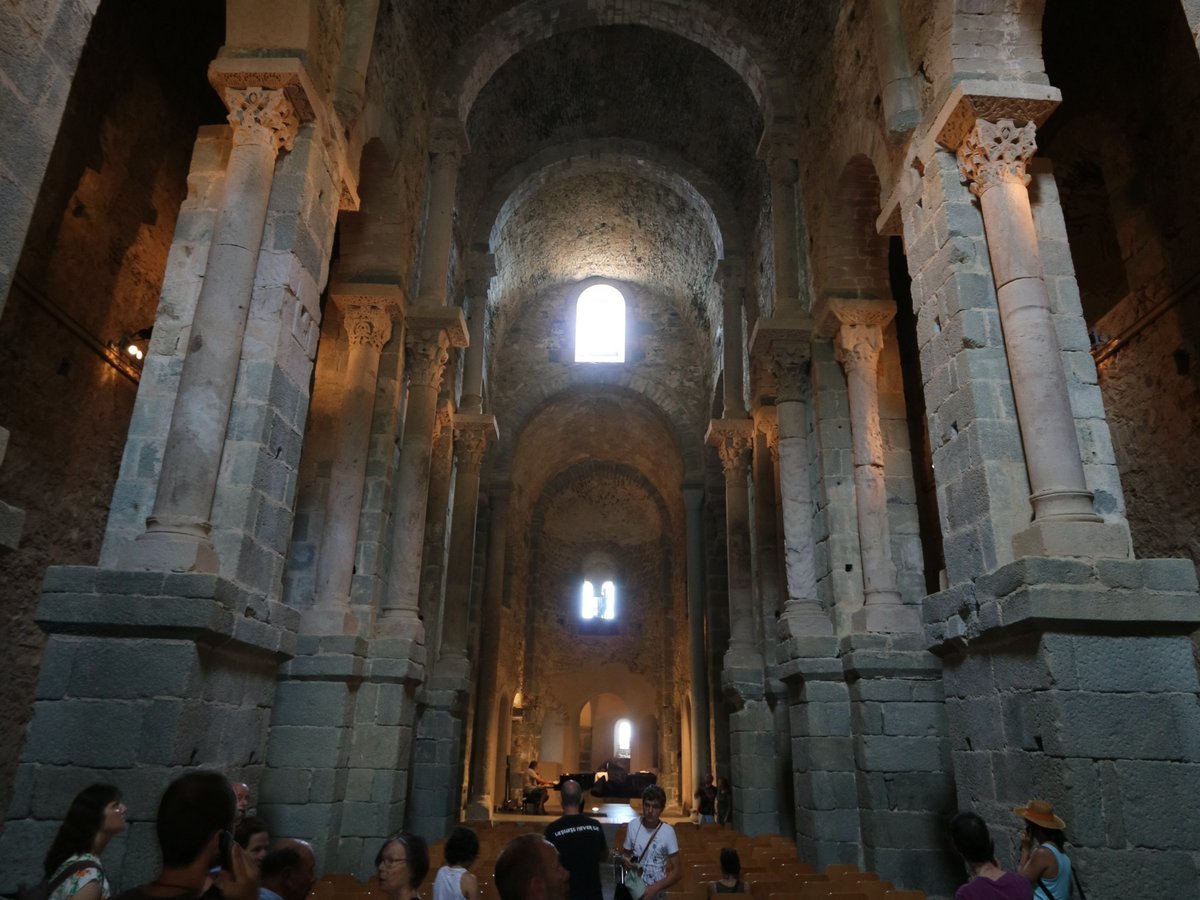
886 618
323 620
802 619
479 809
1074 539
179 546
403 625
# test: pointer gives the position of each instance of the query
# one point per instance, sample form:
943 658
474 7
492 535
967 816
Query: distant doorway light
600 325
623 739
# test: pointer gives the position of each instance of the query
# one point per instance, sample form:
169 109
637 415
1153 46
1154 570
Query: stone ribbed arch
853 260
536 20
638 158
660 399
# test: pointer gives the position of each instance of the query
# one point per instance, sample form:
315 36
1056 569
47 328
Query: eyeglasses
391 863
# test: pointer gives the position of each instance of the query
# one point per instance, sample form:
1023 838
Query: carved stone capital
443 420
472 434
428 351
368 323
261 116
767 423
733 439
858 346
996 153
785 344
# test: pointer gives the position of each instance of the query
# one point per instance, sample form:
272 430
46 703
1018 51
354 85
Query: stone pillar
858 343
368 312
784 343
448 146
766 549
733 439
472 434
481 271
432 587
780 157
486 726
177 531
430 334
993 157
693 498
901 104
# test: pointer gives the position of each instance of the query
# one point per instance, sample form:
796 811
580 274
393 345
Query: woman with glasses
402 863
72 864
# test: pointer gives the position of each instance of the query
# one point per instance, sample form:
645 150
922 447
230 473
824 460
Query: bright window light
600 325
598 606
623 738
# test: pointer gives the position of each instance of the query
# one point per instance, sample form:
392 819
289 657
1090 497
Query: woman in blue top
1043 862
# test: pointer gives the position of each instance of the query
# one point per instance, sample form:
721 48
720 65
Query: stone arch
592 470
854 255
698 189
536 20
658 399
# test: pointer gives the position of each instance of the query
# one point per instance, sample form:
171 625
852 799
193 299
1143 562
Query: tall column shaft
426 358
368 322
733 439
177 532
449 146
857 347
701 752
901 104
766 549
783 234
471 436
483 747
729 274
858 344
994 157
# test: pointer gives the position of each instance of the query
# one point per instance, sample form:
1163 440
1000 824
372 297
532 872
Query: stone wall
90 273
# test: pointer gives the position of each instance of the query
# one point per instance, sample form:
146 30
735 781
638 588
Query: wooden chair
834 869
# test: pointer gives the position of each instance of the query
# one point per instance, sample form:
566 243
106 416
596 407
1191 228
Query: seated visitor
72 865
453 881
1044 863
402 863
254 837
194 815
988 881
289 871
730 881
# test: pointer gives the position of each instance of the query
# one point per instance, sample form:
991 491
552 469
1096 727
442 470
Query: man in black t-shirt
580 842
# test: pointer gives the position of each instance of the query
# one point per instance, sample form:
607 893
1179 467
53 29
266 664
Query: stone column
368 312
482 268
431 332
472 434
766 550
177 530
901 105
993 157
12 519
781 169
483 747
785 343
693 498
858 343
448 146
432 588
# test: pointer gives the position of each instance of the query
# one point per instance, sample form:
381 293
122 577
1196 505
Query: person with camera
1044 863
651 848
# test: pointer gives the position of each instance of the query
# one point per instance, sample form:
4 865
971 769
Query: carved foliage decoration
858 345
996 153
262 116
368 323
428 352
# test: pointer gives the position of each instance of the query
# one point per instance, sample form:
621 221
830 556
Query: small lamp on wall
135 345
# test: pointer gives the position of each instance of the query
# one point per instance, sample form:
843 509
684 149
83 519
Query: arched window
623 739
602 605
600 325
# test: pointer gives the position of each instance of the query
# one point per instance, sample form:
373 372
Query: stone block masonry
145 675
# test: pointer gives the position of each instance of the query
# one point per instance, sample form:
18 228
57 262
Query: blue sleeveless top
1060 887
